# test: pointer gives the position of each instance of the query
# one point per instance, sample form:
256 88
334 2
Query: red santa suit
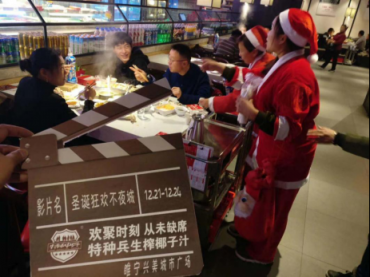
245 80
290 93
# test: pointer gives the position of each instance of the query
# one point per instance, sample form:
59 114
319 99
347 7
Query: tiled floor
329 223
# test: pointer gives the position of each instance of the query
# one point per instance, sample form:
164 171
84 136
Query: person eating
188 82
36 105
284 109
252 49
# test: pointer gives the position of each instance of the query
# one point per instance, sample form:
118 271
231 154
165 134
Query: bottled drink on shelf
71 60
9 49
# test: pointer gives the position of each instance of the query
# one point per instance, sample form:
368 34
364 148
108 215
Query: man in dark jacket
230 46
127 57
187 80
358 146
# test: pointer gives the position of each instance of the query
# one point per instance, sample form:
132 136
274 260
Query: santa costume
245 81
288 100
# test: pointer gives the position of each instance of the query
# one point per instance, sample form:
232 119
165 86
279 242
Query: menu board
115 209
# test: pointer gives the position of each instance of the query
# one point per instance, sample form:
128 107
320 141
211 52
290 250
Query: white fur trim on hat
253 39
289 31
313 59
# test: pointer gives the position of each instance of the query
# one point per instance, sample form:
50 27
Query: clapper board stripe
119 149
103 115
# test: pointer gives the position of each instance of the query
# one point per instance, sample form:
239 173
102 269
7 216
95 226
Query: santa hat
300 28
258 37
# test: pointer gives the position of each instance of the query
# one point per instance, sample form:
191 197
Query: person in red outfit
334 53
283 109
245 81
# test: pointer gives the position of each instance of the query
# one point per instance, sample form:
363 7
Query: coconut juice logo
65 245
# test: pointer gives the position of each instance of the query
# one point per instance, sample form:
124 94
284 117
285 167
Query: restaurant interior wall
323 23
361 23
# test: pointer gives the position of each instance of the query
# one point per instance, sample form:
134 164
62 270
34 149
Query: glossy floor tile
312 267
334 241
338 202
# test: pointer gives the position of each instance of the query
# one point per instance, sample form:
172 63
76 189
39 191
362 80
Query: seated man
187 80
125 57
230 47
361 42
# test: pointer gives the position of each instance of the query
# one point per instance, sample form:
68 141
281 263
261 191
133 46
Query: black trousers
332 54
363 269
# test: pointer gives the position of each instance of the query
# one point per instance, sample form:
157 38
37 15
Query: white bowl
181 111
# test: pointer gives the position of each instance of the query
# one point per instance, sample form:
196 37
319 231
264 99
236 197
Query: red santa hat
300 28
258 37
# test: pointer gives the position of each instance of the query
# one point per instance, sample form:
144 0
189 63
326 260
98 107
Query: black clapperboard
114 209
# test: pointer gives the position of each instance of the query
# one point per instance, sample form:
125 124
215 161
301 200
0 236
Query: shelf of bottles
85 27
149 27
186 24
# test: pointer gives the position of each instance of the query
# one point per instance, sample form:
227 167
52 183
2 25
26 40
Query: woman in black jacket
36 106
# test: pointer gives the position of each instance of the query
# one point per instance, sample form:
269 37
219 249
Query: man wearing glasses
187 81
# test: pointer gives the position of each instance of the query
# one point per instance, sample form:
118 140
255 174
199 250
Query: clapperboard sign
115 209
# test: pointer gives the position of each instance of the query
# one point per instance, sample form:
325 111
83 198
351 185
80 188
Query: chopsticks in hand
135 69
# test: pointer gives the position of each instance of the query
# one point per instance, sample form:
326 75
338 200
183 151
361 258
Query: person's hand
177 92
247 108
140 75
211 65
89 93
204 103
322 135
11 157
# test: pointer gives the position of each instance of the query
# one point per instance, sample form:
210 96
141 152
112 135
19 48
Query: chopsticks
134 68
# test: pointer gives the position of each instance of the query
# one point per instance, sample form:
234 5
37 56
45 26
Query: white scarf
249 87
288 57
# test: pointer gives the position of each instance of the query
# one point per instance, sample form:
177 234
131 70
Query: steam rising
107 61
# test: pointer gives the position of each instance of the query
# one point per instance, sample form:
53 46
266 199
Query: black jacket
38 108
123 72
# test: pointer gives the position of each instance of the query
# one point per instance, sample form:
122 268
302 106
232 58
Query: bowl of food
165 109
181 111
73 104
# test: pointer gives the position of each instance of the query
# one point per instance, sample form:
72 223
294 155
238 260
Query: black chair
196 55
5 108
13 214
220 86
157 74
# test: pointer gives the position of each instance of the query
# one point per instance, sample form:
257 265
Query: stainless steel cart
230 144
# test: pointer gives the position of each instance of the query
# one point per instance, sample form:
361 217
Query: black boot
233 232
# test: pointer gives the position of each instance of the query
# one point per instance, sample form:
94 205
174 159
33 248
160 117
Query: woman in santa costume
245 81
283 109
